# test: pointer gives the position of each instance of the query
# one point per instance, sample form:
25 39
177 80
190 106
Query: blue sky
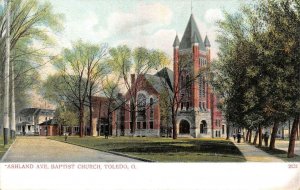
150 23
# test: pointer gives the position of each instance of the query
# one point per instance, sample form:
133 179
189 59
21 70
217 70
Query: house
28 120
49 128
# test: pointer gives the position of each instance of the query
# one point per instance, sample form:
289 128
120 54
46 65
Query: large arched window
151 122
151 108
141 107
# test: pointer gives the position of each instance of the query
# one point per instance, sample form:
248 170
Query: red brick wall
143 85
52 130
175 69
195 87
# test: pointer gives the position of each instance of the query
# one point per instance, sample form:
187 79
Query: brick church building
197 115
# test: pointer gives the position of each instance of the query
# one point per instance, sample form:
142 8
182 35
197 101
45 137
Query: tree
139 61
65 115
259 64
96 74
110 89
29 36
77 71
282 60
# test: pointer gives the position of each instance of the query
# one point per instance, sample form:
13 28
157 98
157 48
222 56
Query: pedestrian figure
66 136
239 136
106 132
266 138
233 136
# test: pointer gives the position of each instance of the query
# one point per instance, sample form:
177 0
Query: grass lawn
3 148
280 154
164 149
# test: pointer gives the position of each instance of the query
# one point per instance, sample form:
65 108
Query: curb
111 152
5 155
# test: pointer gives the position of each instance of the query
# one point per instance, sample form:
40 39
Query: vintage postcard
149 94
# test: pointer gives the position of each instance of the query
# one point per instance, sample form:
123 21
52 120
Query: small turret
176 42
206 42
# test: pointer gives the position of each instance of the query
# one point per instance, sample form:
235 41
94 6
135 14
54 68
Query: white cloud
161 39
213 15
146 16
87 29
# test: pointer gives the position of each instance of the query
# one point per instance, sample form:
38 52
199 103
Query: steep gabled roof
155 81
35 111
206 42
49 122
191 34
168 75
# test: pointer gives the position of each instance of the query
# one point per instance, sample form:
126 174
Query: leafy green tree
30 28
65 115
110 89
77 68
258 66
140 61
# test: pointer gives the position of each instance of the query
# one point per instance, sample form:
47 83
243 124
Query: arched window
188 85
203 127
181 82
151 108
141 107
203 86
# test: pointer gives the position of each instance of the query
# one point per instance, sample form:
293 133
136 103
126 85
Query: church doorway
184 127
203 127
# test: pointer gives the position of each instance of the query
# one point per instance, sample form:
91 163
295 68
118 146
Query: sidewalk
253 154
284 145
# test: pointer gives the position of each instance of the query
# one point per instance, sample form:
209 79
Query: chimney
132 79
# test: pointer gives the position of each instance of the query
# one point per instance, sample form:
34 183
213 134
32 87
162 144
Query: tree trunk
81 120
260 136
297 132
250 136
273 136
247 135
255 137
91 114
289 128
282 136
298 129
227 132
174 126
291 149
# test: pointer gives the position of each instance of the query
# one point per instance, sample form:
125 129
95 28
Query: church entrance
184 127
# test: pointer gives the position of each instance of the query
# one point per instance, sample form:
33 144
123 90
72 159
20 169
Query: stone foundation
194 118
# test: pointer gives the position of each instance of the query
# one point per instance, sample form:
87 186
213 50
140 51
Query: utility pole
6 76
13 104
